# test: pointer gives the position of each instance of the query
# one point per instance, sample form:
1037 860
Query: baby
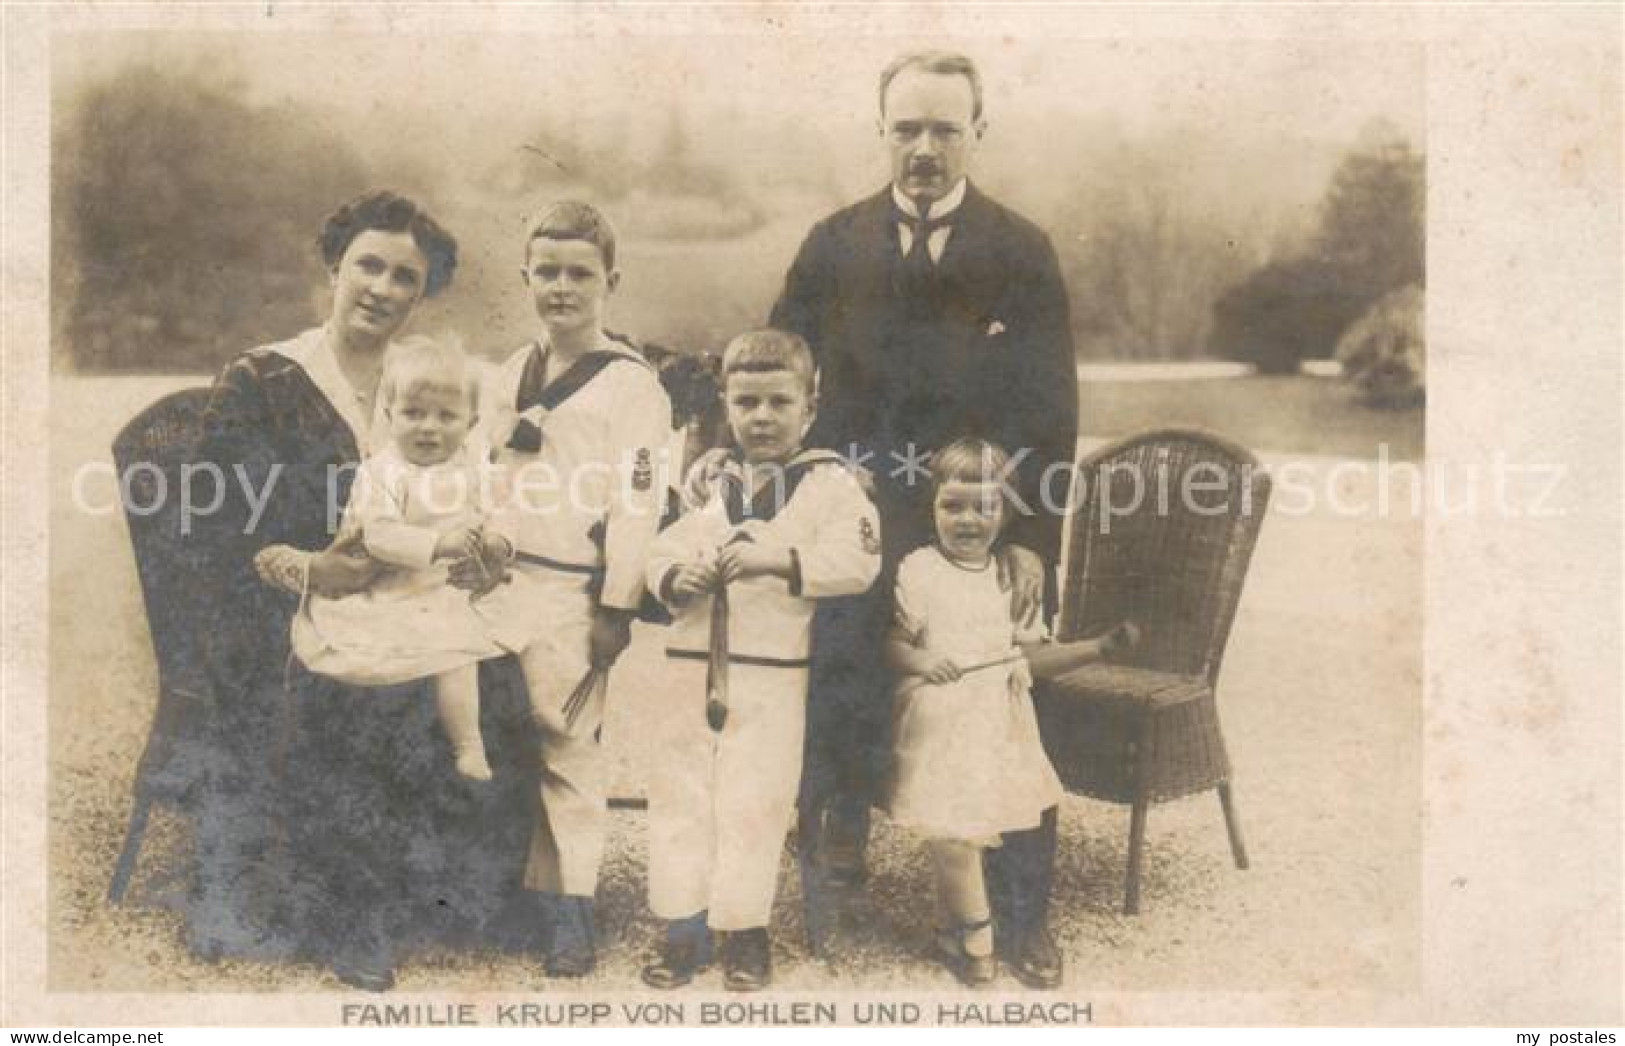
426 501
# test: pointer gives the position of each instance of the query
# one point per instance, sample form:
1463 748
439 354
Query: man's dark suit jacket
990 355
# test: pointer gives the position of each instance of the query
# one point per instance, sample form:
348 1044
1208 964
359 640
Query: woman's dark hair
390 212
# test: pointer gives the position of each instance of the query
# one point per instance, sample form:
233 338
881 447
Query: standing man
935 313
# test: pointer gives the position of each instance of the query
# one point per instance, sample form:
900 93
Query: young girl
969 764
422 504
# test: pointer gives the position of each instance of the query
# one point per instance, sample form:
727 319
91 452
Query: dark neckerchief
532 392
766 503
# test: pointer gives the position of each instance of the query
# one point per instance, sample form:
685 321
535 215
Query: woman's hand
343 568
691 580
282 566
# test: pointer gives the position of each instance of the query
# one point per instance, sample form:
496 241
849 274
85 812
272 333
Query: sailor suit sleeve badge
642 471
867 536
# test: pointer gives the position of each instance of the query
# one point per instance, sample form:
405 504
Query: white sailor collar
313 355
808 457
605 344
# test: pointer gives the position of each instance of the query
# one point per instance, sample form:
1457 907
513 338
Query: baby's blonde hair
421 360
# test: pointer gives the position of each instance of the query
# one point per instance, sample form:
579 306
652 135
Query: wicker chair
1144 728
148 454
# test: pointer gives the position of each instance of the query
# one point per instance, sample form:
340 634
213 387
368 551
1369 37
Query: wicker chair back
1165 530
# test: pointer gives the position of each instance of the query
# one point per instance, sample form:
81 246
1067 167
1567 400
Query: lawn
1281 414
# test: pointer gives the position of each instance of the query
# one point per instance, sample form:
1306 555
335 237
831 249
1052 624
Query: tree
1372 229
188 219
1152 254
1370 240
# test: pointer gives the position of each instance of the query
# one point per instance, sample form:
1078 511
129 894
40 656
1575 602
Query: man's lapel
876 231
973 269
969 243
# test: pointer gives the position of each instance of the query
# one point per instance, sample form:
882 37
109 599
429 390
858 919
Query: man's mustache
925 167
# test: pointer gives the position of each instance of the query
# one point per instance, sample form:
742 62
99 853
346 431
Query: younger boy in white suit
781 528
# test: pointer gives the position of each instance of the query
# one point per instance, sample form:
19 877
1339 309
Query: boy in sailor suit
781 528
584 427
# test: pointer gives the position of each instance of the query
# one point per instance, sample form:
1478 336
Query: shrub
1285 312
1384 353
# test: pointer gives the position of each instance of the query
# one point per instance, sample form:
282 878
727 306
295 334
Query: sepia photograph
729 516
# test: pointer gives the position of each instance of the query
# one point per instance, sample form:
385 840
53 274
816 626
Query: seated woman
347 776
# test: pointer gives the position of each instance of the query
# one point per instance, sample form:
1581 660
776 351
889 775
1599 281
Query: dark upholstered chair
1165 529
148 454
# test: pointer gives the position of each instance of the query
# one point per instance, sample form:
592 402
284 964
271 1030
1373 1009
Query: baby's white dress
969 763
410 623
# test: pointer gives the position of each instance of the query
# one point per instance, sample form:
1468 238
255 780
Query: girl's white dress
969 763
411 623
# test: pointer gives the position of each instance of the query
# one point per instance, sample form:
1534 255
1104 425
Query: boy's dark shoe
685 951
570 948
747 960
1034 959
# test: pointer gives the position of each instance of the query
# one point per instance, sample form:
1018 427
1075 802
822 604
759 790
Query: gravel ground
1321 697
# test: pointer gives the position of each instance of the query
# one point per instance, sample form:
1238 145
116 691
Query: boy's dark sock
846 837
688 930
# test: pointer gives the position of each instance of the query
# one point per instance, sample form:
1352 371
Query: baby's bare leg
457 695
